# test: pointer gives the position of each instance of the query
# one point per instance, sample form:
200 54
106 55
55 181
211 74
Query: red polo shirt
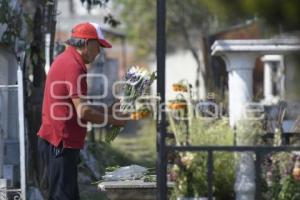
66 80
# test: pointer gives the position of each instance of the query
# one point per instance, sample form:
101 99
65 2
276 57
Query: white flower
137 81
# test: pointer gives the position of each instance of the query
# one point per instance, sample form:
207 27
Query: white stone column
268 83
240 67
240 82
273 62
282 74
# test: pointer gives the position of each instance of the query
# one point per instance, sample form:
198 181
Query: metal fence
259 152
162 148
10 194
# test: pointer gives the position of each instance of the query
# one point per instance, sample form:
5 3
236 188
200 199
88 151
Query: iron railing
259 152
162 148
10 194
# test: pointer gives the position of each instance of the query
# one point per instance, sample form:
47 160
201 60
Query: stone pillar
240 82
268 83
240 67
272 62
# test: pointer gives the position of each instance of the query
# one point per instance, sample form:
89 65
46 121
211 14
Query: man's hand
119 119
88 113
98 116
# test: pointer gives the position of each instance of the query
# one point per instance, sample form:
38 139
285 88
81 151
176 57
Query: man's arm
90 114
111 109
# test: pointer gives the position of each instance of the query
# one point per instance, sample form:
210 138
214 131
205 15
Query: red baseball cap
90 30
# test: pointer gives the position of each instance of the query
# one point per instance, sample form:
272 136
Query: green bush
190 169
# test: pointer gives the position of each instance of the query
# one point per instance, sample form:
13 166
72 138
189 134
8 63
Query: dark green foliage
109 19
12 18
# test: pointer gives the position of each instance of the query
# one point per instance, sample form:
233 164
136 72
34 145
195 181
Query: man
65 112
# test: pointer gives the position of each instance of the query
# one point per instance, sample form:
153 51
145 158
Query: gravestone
130 190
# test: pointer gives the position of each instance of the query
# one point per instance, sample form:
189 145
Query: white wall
180 65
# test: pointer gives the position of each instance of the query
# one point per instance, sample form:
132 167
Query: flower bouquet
136 83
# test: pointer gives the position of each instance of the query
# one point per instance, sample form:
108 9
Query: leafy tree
109 19
185 19
284 13
187 23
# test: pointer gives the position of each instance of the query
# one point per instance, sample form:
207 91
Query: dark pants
61 171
